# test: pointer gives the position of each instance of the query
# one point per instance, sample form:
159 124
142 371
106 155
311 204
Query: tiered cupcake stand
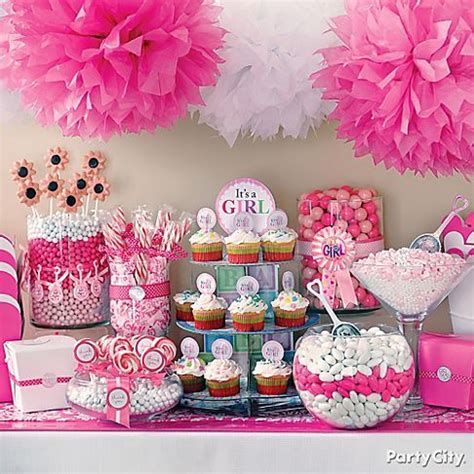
248 402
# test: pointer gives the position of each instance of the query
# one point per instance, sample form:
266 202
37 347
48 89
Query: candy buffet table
64 441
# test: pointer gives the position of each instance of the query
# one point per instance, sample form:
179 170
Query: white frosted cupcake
183 302
242 246
248 313
279 244
191 373
290 309
223 377
272 377
206 246
209 312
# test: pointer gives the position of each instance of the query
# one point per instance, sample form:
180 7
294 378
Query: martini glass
410 293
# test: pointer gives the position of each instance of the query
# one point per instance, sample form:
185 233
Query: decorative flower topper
80 183
22 170
93 162
99 188
52 185
56 158
70 201
29 193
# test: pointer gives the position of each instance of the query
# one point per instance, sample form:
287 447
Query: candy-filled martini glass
410 284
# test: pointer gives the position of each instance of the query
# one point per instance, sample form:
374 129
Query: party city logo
440 457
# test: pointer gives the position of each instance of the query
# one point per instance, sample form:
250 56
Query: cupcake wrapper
227 388
243 253
277 385
277 252
248 321
184 312
290 319
207 252
213 319
192 384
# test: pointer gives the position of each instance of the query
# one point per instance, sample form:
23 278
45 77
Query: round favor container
67 274
353 382
357 211
87 394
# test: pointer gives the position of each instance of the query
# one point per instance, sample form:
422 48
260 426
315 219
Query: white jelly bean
348 405
326 377
336 368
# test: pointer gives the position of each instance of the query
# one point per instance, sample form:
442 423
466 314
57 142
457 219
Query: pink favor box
40 370
446 370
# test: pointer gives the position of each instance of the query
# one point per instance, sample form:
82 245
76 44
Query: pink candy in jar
357 211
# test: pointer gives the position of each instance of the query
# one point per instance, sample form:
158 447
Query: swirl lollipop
69 201
29 193
80 183
22 170
119 344
56 159
126 362
103 345
167 347
93 162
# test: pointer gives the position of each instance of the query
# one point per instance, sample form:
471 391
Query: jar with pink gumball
356 211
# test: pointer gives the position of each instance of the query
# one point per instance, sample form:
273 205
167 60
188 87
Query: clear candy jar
66 273
353 382
357 211
87 393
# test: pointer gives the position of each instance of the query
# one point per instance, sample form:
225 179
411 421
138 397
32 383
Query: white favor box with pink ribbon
40 370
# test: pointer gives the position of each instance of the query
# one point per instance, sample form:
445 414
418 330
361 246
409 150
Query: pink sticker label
277 220
49 380
273 350
143 343
189 348
85 352
118 398
222 349
206 219
247 285
153 360
206 284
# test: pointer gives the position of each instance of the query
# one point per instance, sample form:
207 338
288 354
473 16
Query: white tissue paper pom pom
269 55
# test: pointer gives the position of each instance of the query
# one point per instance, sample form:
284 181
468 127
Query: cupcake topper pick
189 348
288 281
206 219
243 221
247 286
221 349
273 351
277 220
206 284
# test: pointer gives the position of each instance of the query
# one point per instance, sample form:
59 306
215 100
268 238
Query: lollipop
80 183
69 201
93 162
167 347
56 158
103 346
22 170
119 344
126 362
29 193
153 360
99 188
51 185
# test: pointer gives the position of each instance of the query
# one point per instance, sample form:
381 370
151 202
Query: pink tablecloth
429 419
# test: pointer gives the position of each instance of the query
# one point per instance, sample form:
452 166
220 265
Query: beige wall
186 168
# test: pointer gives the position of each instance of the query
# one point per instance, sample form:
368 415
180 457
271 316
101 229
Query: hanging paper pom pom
269 55
404 83
102 67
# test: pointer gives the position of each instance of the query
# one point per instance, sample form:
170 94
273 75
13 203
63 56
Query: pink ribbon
35 382
154 290
118 400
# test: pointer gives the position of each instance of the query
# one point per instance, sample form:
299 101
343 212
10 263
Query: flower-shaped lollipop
29 193
93 162
80 183
99 188
70 201
22 170
51 185
56 158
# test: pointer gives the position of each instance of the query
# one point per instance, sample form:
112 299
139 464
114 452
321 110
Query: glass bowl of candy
87 393
358 211
354 382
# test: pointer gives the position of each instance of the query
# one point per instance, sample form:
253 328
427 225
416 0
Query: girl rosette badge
334 251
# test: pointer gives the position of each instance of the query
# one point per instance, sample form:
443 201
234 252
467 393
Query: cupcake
223 377
242 246
209 312
290 309
206 246
279 244
183 302
191 373
272 376
248 313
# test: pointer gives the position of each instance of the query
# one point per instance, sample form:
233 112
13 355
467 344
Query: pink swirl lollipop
126 362
119 344
167 347
103 346
142 343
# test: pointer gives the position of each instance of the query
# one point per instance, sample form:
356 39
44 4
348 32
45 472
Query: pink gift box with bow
446 370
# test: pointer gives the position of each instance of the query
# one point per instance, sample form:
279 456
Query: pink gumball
362 237
317 226
347 188
304 208
374 233
312 263
355 202
369 301
365 194
340 224
301 218
365 226
308 222
337 303
370 207
355 282
334 208
301 230
308 273
305 282
331 192
324 202
347 213
308 234
327 219
360 214
317 192
361 294
320 195
304 196
316 213
373 219
343 195
354 230
313 200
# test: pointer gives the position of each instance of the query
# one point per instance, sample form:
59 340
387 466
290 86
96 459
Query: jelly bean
385 395
315 389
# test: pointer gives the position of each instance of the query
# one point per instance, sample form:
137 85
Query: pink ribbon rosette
334 251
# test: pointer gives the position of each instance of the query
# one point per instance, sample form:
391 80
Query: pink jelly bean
347 213
376 371
373 384
329 386
382 384
328 393
391 387
315 389
354 230
360 214
347 385
343 392
364 389
314 378
370 207
389 375
385 396
304 208
365 226
316 213
365 194
306 372
403 381
361 379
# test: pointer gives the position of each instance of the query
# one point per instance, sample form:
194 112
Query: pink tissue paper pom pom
104 67
403 81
